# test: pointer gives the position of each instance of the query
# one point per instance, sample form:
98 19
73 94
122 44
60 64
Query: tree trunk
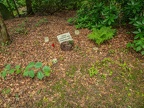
4 36
29 7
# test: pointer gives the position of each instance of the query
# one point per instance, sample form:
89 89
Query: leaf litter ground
118 83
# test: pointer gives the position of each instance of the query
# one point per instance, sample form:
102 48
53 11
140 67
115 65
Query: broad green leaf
11 71
136 37
38 65
8 67
26 73
40 75
46 69
18 71
30 65
47 73
4 73
128 45
138 48
17 67
31 73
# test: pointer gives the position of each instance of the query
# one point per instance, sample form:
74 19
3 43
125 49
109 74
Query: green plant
71 71
132 8
93 71
102 34
110 14
7 70
3 48
30 70
6 91
41 21
95 14
138 43
21 29
40 70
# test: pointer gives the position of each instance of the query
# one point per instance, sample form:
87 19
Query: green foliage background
97 13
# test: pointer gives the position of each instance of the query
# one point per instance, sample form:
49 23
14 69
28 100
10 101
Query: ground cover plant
30 70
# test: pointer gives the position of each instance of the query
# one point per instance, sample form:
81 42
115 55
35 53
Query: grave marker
64 37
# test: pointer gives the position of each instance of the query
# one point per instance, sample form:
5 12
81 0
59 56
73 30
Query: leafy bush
95 14
32 69
138 43
102 34
132 9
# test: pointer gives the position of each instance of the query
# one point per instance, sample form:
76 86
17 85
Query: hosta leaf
46 69
31 73
38 65
12 71
40 75
26 73
8 67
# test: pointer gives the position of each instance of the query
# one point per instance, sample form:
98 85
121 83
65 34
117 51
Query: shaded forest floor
118 83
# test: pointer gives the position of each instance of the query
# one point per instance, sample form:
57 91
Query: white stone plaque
46 39
64 37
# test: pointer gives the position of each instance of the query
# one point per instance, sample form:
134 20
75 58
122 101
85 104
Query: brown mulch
30 47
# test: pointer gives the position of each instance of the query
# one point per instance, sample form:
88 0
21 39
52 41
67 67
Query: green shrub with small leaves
31 70
102 34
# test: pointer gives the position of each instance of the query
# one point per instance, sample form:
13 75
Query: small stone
95 48
54 61
77 32
46 39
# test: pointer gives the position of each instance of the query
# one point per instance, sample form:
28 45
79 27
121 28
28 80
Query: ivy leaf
12 71
40 75
31 73
38 65
8 67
